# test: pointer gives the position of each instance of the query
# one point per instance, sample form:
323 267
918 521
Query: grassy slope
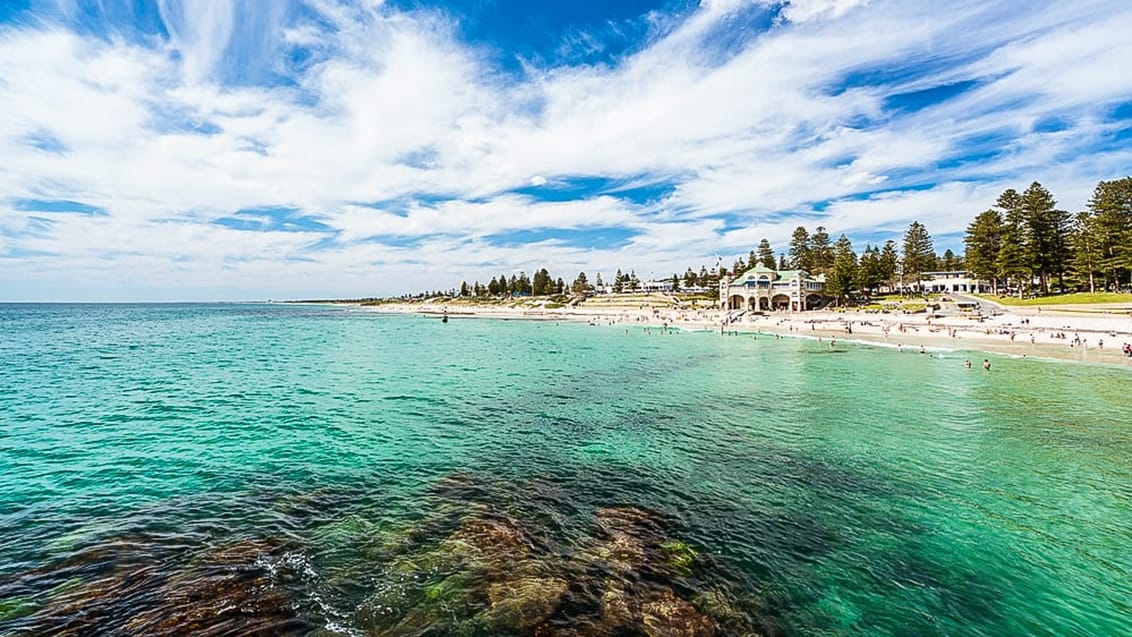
1079 298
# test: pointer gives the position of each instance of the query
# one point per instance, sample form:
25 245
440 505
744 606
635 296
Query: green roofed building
762 289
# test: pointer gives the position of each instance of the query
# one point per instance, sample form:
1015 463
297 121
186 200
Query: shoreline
1072 337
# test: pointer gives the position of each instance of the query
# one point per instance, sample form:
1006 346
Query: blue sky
244 149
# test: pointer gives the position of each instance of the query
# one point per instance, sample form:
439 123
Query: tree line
1023 243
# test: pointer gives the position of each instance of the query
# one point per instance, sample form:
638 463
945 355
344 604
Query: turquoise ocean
275 469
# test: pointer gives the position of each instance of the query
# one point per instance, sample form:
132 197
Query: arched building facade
762 289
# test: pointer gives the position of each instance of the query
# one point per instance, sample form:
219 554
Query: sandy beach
1064 335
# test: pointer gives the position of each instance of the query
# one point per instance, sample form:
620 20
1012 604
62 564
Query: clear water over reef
236 469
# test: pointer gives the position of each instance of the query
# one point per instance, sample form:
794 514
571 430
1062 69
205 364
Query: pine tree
634 282
984 241
598 283
766 255
919 255
821 251
1111 205
618 282
869 273
542 284
689 278
1087 252
800 249
675 282
1012 262
464 289
580 284
949 263
842 274
560 286
889 263
782 264
1045 232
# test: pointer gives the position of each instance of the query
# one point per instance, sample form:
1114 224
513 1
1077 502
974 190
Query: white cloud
798 11
396 133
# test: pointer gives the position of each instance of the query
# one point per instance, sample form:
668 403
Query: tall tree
842 274
1111 204
889 263
464 290
821 251
869 273
800 249
949 262
1087 252
983 241
1013 262
618 282
542 284
782 263
580 284
919 255
689 278
766 255
1046 231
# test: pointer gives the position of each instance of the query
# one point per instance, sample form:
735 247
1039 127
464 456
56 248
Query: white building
764 289
955 281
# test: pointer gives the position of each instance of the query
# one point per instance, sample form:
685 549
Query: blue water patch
57 205
272 218
592 238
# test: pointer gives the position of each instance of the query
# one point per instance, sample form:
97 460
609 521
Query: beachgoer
967 363
922 351
986 364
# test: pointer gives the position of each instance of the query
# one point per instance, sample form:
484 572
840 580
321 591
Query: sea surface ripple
274 469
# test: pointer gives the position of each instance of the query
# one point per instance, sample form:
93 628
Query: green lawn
1078 298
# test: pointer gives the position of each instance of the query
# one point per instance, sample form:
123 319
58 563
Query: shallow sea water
228 469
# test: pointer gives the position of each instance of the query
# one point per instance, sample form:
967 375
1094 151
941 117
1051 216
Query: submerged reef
475 557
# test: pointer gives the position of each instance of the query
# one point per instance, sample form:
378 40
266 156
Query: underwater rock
523 603
136 587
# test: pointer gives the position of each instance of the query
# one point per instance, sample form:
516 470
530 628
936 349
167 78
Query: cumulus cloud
345 148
